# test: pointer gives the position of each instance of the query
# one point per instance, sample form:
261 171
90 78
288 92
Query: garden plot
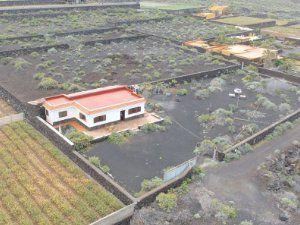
74 20
85 67
72 40
244 21
184 29
39 185
282 32
5 109
199 111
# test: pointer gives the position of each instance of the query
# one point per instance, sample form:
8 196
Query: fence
177 170
11 118
117 216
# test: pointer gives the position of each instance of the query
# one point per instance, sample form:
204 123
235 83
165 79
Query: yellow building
219 10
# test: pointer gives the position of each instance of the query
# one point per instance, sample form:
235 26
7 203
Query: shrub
119 138
95 161
265 102
182 92
246 222
288 203
81 141
202 94
148 185
39 76
206 118
284 107
166 201
206 146
21 64
48 83
244 149
152 127
232 156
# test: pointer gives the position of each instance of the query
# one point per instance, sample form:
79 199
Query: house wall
111 116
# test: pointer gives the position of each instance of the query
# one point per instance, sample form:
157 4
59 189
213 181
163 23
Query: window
99 119
134 110
62 114
46 112
82 116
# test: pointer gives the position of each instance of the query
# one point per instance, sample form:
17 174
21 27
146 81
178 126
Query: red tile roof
96 100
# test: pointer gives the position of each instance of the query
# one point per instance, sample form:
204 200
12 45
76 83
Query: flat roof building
96 107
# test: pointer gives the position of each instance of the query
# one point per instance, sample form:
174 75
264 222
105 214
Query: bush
152 127
119 138
39 76
205 118
48 83
246 222
265 102
232 156
202 94
182 92
148 185
244 149
166 201
21 64
81 141
95 161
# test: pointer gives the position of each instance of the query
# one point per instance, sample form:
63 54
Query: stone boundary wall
25 51
30 2
278 74
35 15
67 7
67 148
117 216
118 39
195 76
260 135
150 196
11 118
61 34
257 25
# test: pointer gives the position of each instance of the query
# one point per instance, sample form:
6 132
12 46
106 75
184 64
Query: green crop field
243 20
39 185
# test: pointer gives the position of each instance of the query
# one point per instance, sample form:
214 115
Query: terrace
247 21
183 29
87 67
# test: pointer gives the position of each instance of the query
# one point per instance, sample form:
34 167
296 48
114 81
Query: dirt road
237 181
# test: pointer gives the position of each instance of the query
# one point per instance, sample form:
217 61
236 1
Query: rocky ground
261 188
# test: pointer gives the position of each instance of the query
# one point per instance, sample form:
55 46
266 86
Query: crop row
56 191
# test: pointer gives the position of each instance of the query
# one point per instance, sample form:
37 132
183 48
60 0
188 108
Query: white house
96 107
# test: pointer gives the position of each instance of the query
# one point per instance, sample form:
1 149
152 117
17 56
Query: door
122 115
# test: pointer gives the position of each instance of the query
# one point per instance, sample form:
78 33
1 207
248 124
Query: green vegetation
243 20
47 83
166 201
80 140
39 185
97 162
119 138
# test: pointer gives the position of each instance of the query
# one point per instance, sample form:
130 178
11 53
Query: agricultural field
282 32
243 21
184 29
70 39
73 20
86 67
39 185
5 109
200 112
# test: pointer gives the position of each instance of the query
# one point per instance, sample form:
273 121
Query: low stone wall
119 39
68 7
257 25
25 51
67 148
150 196
257 137
278 74
197 76
117 217
30 2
